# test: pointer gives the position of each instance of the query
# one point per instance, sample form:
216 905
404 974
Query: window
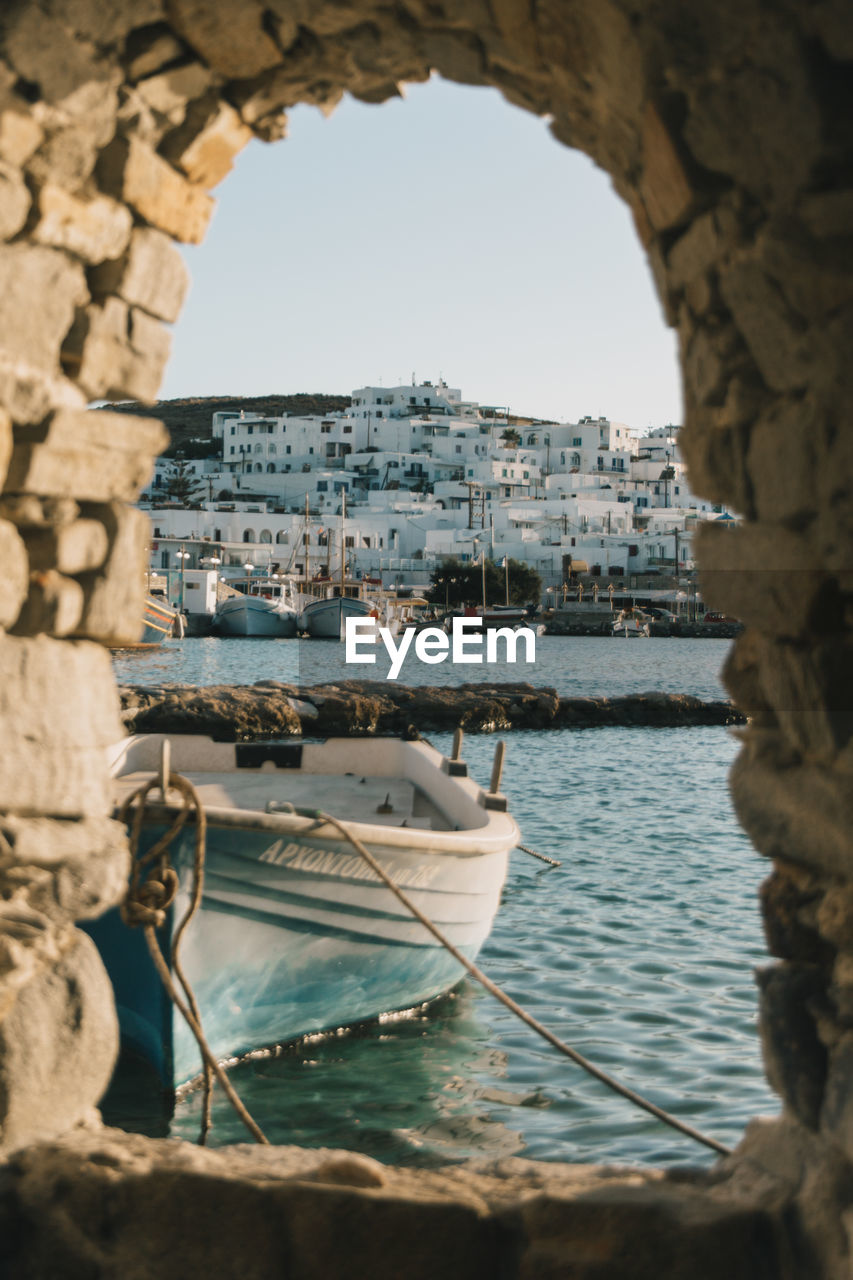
233 432
270 466
577 442
251 429
348 429
287 448
459 448
526 475
232 448
349 540
259 448
322 486
281 536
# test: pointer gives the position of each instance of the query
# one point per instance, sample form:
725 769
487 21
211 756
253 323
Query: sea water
638 950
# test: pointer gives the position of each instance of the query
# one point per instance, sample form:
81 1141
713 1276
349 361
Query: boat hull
296 937
296 932
158 620
253 616
326 619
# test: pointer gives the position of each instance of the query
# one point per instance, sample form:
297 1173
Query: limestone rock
58 713
14 574
92 229
91 456
664 186
117 352
15 201
66 869
39 291
114 596
58 1044
205 146
231 38
54 605
134 173
794 1058
70 548
151 275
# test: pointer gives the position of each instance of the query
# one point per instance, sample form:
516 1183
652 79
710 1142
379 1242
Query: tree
511 438
182 484
455 584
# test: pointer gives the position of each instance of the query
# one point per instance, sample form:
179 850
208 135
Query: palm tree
511 438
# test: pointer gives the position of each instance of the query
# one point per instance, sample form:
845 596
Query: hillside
190 419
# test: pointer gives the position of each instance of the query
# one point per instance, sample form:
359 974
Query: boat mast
306 537
343 542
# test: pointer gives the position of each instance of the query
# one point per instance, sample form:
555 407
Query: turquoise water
638 950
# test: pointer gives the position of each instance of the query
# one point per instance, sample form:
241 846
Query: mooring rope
146 905
552 862
508 1001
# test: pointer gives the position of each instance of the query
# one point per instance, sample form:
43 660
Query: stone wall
727 129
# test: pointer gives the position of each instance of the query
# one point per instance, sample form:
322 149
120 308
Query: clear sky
446 234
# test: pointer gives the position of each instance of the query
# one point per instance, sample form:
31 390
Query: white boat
296 932
326 618
263 610
632 624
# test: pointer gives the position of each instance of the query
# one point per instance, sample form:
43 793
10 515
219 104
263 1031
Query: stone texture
205 147
15 201
150 275
117 352
92 456
114 596
92 229
53 755
58 1044
40 288
794 1058
230 37
70 548
14 574
66 869
54 605
131 171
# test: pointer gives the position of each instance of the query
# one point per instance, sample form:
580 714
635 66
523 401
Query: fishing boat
263 610
325 617
296 932
159 620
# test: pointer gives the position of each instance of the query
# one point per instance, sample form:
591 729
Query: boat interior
379 782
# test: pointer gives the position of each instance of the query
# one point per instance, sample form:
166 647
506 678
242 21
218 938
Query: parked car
662 615
718 617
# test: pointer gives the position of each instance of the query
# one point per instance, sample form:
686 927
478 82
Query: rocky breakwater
271 709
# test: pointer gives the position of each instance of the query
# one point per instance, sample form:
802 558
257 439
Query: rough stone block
777 337
762 574
20 136
115 595
7 441
40 288
230 37
53 606
15 201
782 461
837 1115
794 1058
205 146
58 1045
93 456
104 22
121 352
149 50
134 173
58 712
66 869
664 186
151 275
69 548
14 574
30 394
797 812
93 229
26 511
169 92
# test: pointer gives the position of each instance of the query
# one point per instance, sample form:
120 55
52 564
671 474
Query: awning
579 566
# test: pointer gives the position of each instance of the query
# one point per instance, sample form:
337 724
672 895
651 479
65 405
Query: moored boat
325 618
158 620
263 610
296 933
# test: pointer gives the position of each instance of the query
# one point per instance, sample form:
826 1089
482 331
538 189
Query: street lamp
183 556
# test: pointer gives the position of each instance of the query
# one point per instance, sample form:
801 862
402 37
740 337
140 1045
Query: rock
58 1044
92 229
70 548
67 869
54 605
136 174
794 1058
114 594
14 574
150 275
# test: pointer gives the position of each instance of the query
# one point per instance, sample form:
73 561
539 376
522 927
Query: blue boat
296 932
158 620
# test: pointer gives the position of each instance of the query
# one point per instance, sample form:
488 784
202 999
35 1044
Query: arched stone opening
727 130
